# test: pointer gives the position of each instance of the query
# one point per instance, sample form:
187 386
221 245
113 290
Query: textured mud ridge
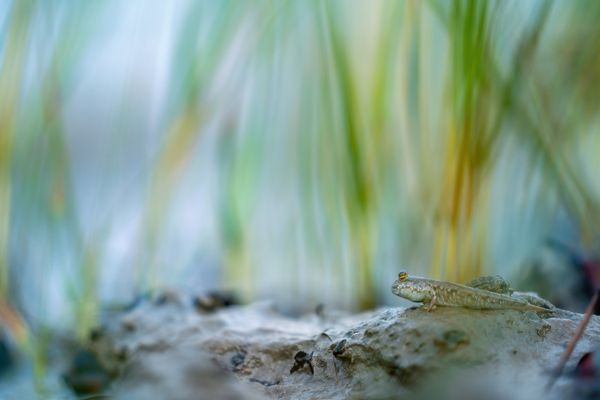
173 350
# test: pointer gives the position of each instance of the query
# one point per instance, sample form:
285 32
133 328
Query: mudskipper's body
431 293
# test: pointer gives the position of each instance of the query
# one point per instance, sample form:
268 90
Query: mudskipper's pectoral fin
431 304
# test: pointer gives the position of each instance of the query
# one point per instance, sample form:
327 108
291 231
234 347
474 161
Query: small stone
339 348
86 375
452 340
238 359
96 334
128 325
543 330
214 301
167 297
302 359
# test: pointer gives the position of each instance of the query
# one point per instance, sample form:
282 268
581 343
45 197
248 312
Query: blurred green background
301 151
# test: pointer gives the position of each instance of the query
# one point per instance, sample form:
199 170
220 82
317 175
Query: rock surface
174 351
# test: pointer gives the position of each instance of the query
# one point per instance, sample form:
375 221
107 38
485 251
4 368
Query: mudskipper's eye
403 276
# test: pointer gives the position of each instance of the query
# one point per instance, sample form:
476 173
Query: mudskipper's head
409 288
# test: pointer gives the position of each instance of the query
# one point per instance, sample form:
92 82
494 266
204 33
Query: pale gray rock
174 351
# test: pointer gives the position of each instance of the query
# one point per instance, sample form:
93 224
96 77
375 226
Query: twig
571 346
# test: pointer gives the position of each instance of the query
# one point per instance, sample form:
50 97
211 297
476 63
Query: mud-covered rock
255 352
